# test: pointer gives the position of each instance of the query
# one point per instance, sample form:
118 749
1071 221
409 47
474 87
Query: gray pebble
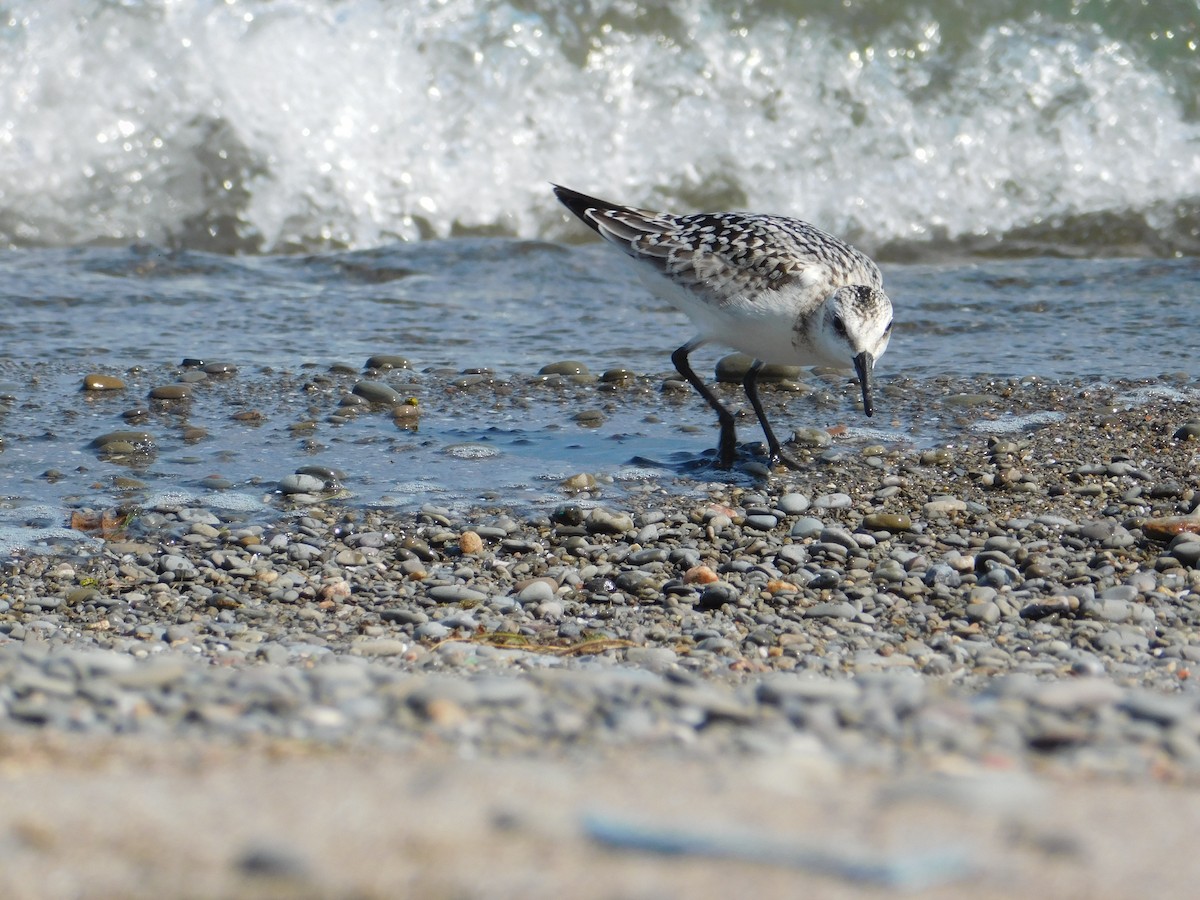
455 593
300 484
807 527
832 501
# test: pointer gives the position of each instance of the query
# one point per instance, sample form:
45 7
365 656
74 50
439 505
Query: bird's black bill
864 364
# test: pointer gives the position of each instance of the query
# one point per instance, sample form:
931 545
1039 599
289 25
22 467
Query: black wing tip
581 204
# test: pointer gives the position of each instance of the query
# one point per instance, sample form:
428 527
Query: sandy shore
136 818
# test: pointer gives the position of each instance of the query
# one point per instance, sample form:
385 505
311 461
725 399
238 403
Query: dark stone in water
388 361
564 367
377 392
141 441
171 392
567 514
733 368
97 382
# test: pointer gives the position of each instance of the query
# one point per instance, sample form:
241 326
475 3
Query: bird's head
855 330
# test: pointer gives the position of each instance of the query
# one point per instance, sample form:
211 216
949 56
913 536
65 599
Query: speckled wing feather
728 256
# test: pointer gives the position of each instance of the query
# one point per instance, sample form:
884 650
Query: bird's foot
779 458
726 448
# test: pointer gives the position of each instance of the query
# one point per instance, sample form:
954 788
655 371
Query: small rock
98 382
892 522
300 484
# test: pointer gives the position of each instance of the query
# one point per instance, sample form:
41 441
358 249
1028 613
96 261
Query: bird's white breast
763 327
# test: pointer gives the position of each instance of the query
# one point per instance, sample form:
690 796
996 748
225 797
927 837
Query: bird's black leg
750 383
727 443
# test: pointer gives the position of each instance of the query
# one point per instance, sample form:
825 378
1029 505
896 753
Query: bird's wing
722 257
727 257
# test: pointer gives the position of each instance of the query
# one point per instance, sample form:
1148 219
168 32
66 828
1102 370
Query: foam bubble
1009 424
471 451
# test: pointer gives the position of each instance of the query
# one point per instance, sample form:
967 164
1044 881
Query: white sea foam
39 529
275 124
1010 424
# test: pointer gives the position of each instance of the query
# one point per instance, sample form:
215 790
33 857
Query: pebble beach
358 539
1021 605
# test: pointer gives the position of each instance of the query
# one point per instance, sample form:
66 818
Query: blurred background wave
918 129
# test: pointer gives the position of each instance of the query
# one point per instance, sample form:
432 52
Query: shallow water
516 305
507 307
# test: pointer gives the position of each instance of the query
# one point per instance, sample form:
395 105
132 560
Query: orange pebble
470 542
699 575
775 586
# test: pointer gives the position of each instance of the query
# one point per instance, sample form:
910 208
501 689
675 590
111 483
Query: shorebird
777 289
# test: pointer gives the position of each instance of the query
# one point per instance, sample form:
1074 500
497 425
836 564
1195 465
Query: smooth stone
647 556
1167 528
610 376
944 574
986 612
732 368
812 437
838 536
792 503
455 593
892 522
831 610
832 501
968 401
716 595
564 367
141 441
300 484
807 527
328 473
603 521
387 361
550 610
433 631
537 591
97 382
583 481
380 647
1187 552
761 522
378 392
171 392
944 506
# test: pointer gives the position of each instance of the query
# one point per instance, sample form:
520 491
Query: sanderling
777 289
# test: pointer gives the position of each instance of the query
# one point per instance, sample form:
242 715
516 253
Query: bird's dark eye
888 330
839 324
